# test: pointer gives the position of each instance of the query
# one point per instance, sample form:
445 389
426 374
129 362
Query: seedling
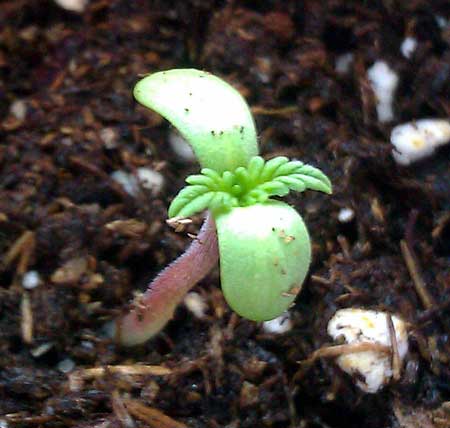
262 244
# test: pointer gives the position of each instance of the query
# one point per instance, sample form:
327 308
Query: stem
156 306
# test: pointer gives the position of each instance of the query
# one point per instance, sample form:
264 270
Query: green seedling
262 244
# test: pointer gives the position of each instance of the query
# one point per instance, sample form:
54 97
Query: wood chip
77 378
151 416
71 271
130 228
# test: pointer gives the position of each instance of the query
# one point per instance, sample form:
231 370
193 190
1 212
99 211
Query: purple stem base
152 310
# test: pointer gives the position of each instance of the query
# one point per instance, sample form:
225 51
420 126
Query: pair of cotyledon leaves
264 246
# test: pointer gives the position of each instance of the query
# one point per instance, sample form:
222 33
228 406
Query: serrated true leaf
185 197
187 208
292 175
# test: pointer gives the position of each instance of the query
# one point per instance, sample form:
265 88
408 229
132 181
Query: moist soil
69 121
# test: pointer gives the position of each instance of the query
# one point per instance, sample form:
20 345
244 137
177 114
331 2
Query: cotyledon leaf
265 253
209 113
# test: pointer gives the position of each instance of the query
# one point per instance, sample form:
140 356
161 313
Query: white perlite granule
196 304
408 47
18 109
31 279
279 325
150 179
372 369
383 81
147 178
73 5
127 181
346 215
414 141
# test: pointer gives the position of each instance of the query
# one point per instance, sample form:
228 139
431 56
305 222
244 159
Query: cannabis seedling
262 244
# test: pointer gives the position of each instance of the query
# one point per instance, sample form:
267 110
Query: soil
68 121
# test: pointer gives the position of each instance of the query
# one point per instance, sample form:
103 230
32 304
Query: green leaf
201 180
280 175
246 186
209 113
271 166
265 253
194 199
185 200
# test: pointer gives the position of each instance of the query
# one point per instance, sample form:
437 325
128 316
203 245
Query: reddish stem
156 306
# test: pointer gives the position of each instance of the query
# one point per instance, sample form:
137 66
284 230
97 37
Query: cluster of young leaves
246 186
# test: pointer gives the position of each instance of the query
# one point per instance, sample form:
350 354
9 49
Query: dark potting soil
68 122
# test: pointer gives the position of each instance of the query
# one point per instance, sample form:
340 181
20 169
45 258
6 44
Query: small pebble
18 109
87 345
150 180
49 410
109 137
73 5
384 82
31 279
66 365
441 21
41 349
343 63
279 325
408 47
196 304
346 215
67 141
414 141
263 69
181 147
371 370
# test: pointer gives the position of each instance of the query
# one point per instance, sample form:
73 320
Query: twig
416 277
18 247
282 111
26 323
20 418
396 361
